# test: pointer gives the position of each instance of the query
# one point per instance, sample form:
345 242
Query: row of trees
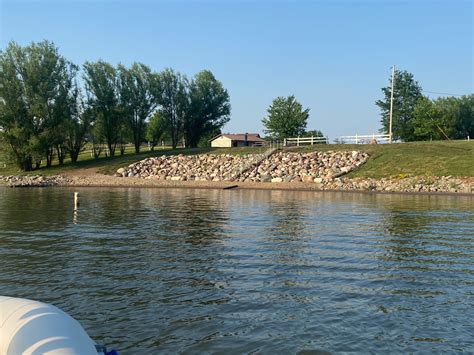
287 118
45 107
416 117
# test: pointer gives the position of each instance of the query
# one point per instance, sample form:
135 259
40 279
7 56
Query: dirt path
464 186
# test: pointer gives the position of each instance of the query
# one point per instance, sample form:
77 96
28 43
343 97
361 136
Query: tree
103 98
406 94
174 102
156 128
36 84
139 94
429 122
286 118
463 109
444 118
96 138
125 135
313 133
204 141
78 126
209 108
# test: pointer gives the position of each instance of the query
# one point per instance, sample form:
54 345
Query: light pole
391 104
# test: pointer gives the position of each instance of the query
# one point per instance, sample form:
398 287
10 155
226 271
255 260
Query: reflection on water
269 271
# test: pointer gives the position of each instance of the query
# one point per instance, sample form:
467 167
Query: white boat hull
31 327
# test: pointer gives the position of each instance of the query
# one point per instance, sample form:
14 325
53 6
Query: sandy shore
423 185
465 185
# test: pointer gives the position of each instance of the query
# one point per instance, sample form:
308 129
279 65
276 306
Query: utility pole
391 104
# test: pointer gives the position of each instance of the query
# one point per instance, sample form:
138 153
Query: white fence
304 140
365 139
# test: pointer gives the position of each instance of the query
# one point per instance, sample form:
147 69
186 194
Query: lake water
213 271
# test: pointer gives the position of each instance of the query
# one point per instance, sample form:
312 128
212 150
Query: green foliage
313 133
36 90
78 126
286 118
104 99
139 94
174 102
444 118
208 110
42 110
407 92
205 138
429 123
461 111
156 129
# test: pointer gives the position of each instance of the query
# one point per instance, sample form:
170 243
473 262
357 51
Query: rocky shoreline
34 180
433 185
279 167
322 171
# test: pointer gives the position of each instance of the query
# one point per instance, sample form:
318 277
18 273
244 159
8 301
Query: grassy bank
111 164
455 158
440 158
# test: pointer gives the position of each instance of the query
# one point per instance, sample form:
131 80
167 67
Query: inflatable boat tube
31 327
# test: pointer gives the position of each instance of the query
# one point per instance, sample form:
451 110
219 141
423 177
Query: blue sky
334 56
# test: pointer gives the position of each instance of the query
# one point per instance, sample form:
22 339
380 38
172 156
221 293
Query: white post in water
391 104
76 200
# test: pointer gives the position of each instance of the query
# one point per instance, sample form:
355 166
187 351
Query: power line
442 93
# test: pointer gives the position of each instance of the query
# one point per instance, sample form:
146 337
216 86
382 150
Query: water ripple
195 271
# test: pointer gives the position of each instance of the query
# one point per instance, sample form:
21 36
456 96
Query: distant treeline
418 118
46 111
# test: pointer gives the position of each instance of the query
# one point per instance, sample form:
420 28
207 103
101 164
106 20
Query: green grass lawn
455 158
439 158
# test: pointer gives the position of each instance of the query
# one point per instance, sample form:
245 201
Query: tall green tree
78 126
444 118
103 93
174 102
429 122
209 108
156 129
96 138
285 118
406 94
139 96
463 109
35 89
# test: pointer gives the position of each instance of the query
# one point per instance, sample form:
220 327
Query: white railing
365 139
304 140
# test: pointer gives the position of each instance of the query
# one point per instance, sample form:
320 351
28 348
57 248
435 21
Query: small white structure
31 327
237 140
366 139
